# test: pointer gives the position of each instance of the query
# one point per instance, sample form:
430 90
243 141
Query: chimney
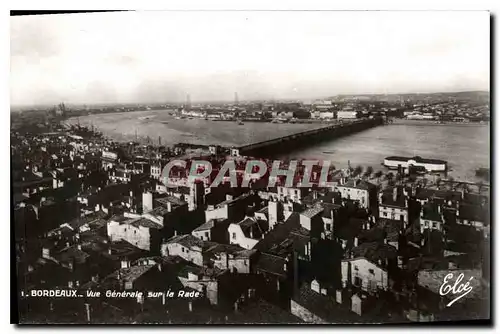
355 241
110 251
385 240
190 305
338 296
79 246
236 306
87 309
395 194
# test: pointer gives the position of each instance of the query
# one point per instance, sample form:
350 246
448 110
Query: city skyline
149 57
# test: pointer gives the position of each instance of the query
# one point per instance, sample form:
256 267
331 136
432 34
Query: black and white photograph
251 167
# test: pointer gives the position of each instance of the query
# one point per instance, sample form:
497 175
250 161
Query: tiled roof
205 226
144 222
130 274
311 212
72 253
324 307
279 233
271 264
172 200
187 240
392 228
375 251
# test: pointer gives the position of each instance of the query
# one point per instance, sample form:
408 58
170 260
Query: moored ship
430 165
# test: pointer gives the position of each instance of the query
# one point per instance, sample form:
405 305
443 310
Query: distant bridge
305 138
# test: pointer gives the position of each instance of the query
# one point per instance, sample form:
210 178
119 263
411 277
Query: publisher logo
455 287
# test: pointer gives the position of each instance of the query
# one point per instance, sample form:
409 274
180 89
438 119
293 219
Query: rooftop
313 211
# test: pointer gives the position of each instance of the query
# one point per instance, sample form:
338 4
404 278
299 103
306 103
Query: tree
389 176
378 175
369 170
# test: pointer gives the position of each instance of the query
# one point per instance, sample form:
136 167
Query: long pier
310 137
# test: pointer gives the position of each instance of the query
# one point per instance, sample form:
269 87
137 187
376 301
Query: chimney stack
395 194
87 309
355 241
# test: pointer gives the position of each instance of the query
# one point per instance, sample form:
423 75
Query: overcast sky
162 56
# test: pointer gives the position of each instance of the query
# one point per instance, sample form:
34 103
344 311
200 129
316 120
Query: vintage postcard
251 167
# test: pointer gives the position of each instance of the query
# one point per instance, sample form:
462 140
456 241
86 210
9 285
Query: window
356 268
206 235
385 214
234 235
434 225
358 281
328 227
371 271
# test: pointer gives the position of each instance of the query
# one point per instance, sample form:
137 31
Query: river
464 147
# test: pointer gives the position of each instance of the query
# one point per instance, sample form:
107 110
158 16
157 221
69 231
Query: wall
219 213
429 224
210 287
137 236
393 213
191 255
379 275
360 195
242 265
240 238
202 235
